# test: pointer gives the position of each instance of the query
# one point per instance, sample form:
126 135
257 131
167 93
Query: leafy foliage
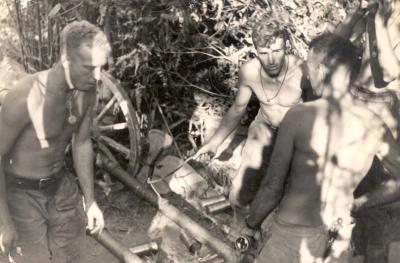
181 54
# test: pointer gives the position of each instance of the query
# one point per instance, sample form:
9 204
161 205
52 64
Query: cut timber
173 213
116 248
180 177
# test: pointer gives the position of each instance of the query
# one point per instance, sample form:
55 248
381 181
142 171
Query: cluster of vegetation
178 58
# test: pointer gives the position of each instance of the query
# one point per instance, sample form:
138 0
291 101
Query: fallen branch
170 211
116 248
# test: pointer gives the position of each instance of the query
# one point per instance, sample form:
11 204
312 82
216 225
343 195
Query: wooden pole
116 248
173 213
20 33
39 26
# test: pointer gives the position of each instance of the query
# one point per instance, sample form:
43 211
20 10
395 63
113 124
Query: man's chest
55 118
285 92
347 145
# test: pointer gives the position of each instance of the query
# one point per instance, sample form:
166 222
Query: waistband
260 117
43 184
298 230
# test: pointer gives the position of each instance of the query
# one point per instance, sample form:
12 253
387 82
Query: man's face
85 65
313 65
272 57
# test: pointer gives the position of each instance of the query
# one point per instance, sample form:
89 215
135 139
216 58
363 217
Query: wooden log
170 211
116 248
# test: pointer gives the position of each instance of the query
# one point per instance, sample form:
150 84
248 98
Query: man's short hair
82 32
265 31
335 51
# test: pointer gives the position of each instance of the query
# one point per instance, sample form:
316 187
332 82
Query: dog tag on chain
71 119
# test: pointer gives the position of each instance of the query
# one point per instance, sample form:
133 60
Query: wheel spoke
113 127
115 145
105 109
103 148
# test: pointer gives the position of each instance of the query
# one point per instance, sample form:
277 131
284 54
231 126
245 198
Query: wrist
6 219
89 202
7 223
249 224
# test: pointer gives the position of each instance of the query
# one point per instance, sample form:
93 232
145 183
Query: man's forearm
83 162
347 28
386 55
5 216
385 193
229 122
263 204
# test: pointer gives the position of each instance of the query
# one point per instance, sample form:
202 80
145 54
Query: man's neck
345 98
57 80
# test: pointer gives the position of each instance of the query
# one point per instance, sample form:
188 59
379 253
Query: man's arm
388 57
353 25
231 119
389 191
272 185
13 118
82 151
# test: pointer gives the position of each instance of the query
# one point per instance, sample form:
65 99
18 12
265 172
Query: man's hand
8 238
208 148
95 218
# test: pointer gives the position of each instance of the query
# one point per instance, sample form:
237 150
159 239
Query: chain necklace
281 84
71 117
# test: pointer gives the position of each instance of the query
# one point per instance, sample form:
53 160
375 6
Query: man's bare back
27 157
276 95
324 149
334 150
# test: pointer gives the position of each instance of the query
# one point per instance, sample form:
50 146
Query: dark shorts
49 226
287 243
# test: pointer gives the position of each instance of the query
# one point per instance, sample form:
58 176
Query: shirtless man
377 85
376 24
41 209
274 77
323 148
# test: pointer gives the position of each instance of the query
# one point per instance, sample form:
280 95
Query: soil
133 221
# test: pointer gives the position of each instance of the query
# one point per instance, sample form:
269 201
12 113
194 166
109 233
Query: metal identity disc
72 119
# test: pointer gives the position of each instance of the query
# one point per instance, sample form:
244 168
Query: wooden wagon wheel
115 127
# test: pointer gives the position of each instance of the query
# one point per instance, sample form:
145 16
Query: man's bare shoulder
295 61
14 108
249 71
295 65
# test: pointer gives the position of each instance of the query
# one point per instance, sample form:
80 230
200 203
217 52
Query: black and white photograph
200 131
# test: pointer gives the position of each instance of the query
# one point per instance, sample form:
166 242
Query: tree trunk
39 26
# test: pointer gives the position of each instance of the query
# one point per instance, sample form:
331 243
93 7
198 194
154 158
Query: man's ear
64 61
323 74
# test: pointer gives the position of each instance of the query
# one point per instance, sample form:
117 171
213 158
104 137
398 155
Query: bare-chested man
376 24
274 77
323 148
41 208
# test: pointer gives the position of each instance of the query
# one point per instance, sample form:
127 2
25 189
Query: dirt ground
134 221
128 219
